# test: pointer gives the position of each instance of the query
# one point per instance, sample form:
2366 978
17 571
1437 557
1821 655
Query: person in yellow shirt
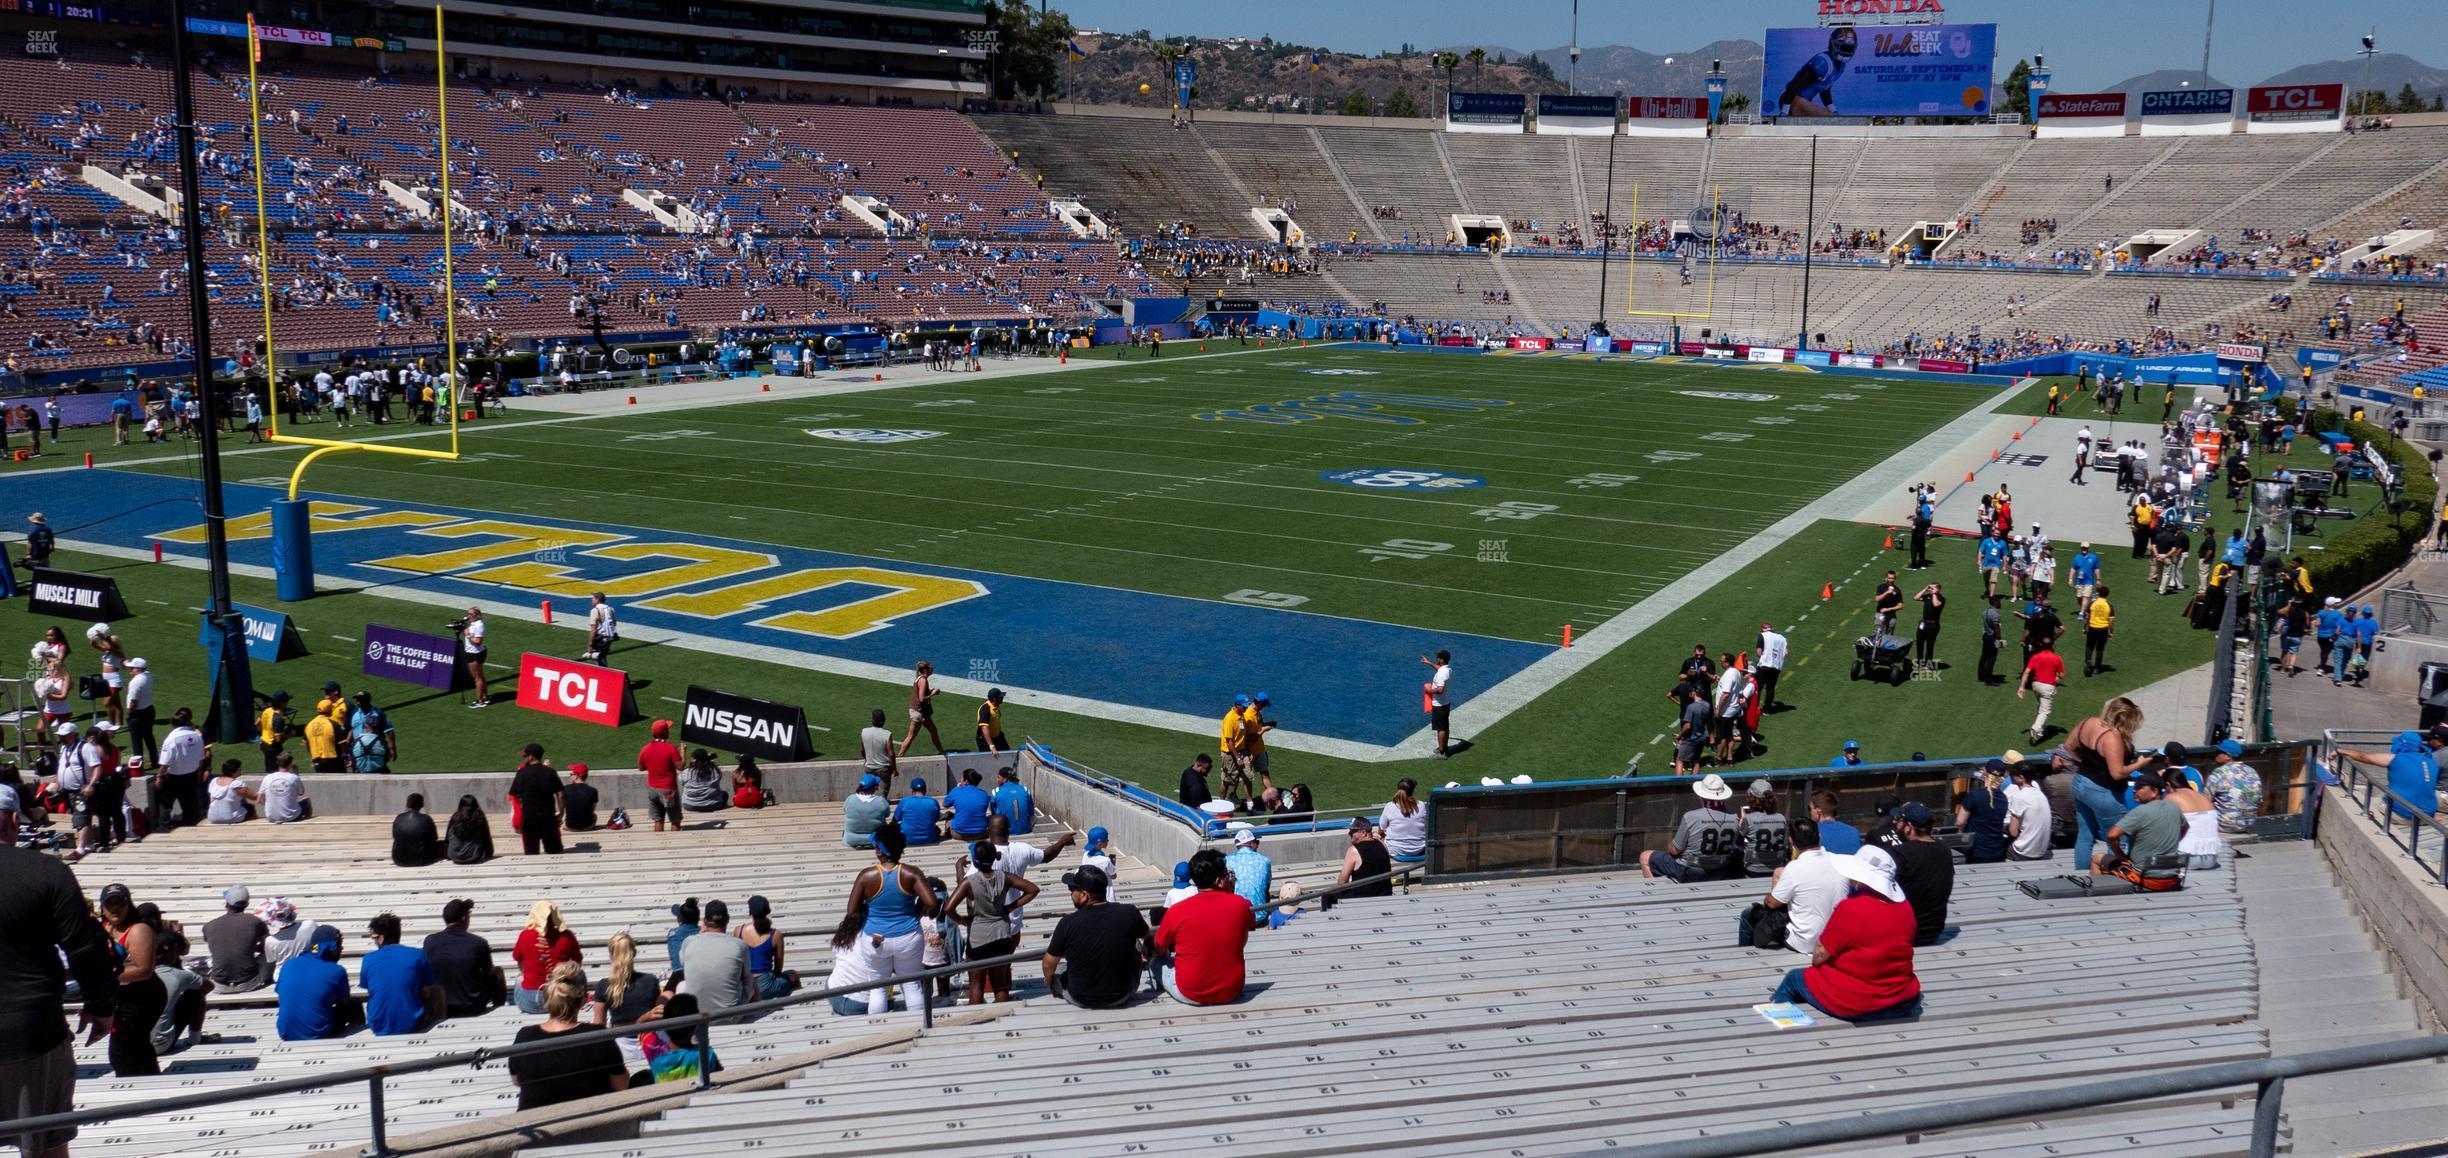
272 727
1254 727
333 704
2099 626
323 744
1232 741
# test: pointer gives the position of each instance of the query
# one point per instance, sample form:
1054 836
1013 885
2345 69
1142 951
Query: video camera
456 626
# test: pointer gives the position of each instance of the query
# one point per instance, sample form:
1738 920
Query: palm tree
1449 61
1166 54
1478 59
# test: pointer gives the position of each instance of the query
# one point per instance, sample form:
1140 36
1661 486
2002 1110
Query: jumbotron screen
1912 70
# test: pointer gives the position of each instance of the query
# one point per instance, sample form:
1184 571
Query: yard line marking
159 602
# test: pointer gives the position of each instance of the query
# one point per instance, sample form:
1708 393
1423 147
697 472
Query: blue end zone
1340 678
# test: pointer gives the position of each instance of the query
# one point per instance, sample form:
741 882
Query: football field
1125 547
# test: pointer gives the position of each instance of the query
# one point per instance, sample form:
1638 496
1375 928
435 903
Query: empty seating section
1902 180
1278 162
957 184
2355 170
2059 179
1398 169
1660 176
1140 175
1768 178
1554 1016
1527 180
2193 182
2383 206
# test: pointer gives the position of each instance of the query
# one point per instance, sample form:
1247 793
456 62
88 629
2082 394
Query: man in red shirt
2041 675
1200 943
1863 968
660 761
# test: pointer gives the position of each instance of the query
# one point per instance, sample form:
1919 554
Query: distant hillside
2390 71
1621 68
1243 75
2167 79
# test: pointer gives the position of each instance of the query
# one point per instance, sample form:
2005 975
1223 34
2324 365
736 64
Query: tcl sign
581 691
2327 99
1880 8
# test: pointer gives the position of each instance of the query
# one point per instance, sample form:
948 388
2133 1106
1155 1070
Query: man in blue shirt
2325 628
1013 803
1850 757
918 815
2413 772
1837 837
402 995
2085 573
969 806
1253 875
2236 548
314 992
2366 631
1992 558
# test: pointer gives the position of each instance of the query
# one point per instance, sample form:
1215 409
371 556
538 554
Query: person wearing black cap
536 789
990 723
1925 870
43 919
463 964
1098 949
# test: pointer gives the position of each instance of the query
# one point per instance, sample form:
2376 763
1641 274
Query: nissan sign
580 691
2188 102
2082 104
2296 102
767 730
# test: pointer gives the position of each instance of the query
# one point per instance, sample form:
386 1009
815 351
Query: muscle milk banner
75 595
2295 108
2082 114
2188 112
1484 112
580 691
772 732
1649 116
1585 116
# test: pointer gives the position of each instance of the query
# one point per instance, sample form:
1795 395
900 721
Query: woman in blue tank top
765 952
894 895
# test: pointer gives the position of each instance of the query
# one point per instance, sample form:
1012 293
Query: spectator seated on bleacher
1806 892
236 941
1099 949
865 811
1202 939
2141 846
1924 869
919 816
1707 844
1862 968
462 964
414 843
470 835
565 1075
402 994
314 992
578 801
1253 874
1013 803
968 805
701 785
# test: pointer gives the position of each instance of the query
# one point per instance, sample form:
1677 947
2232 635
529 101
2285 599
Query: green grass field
1603 483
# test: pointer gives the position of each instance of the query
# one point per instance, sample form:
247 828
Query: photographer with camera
603 628
470 629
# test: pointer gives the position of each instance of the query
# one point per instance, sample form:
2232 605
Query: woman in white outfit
2201 843
894 897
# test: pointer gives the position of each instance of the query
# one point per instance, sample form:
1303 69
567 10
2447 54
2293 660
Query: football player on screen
1811 91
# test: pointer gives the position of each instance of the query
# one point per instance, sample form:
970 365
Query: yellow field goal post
455 388
1660 289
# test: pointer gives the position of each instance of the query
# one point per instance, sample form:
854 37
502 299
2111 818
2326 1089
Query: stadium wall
2406 908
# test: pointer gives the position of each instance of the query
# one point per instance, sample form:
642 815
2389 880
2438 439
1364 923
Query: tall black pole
1810 229
233 687
1606 245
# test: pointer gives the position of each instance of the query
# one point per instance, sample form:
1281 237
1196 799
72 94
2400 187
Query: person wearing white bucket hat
1862 968
1707 842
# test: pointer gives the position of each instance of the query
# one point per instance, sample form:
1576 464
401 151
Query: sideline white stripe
830 665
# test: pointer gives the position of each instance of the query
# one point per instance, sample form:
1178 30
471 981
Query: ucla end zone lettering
1356 405
780 603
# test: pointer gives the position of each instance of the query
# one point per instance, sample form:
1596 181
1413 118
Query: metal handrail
2368 791
2268 1076
373 1075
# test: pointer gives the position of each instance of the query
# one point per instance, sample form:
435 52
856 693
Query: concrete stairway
2325 982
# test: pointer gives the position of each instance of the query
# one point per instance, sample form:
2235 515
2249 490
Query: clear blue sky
2088 42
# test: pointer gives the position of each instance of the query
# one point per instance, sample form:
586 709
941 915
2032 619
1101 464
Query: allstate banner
1484 108
727 722
2189 102
1892 71
270 636
1553 105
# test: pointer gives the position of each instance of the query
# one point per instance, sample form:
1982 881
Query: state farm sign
2082 104
2296 102
1881 8
580 691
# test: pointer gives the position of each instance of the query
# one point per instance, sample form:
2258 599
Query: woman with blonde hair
543 945
625 996
2100 754
1403 825
564 1075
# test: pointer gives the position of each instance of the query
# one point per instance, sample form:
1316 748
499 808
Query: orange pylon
2018 437
1827 591
1568 635
1889 543
1967 476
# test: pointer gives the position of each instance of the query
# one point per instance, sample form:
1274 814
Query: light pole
2371 43
1572 69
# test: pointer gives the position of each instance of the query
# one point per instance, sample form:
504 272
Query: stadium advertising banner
1484 112
2295 108
1945 366
2082 114
580 691
750 727
1585 116
270 637
2242 352
412 657
1919 70
75 595
1658 116
2188 112
1765 354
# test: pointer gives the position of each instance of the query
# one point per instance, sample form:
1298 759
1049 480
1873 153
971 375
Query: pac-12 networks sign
2296 102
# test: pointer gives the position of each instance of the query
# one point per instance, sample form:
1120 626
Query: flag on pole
1076 53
